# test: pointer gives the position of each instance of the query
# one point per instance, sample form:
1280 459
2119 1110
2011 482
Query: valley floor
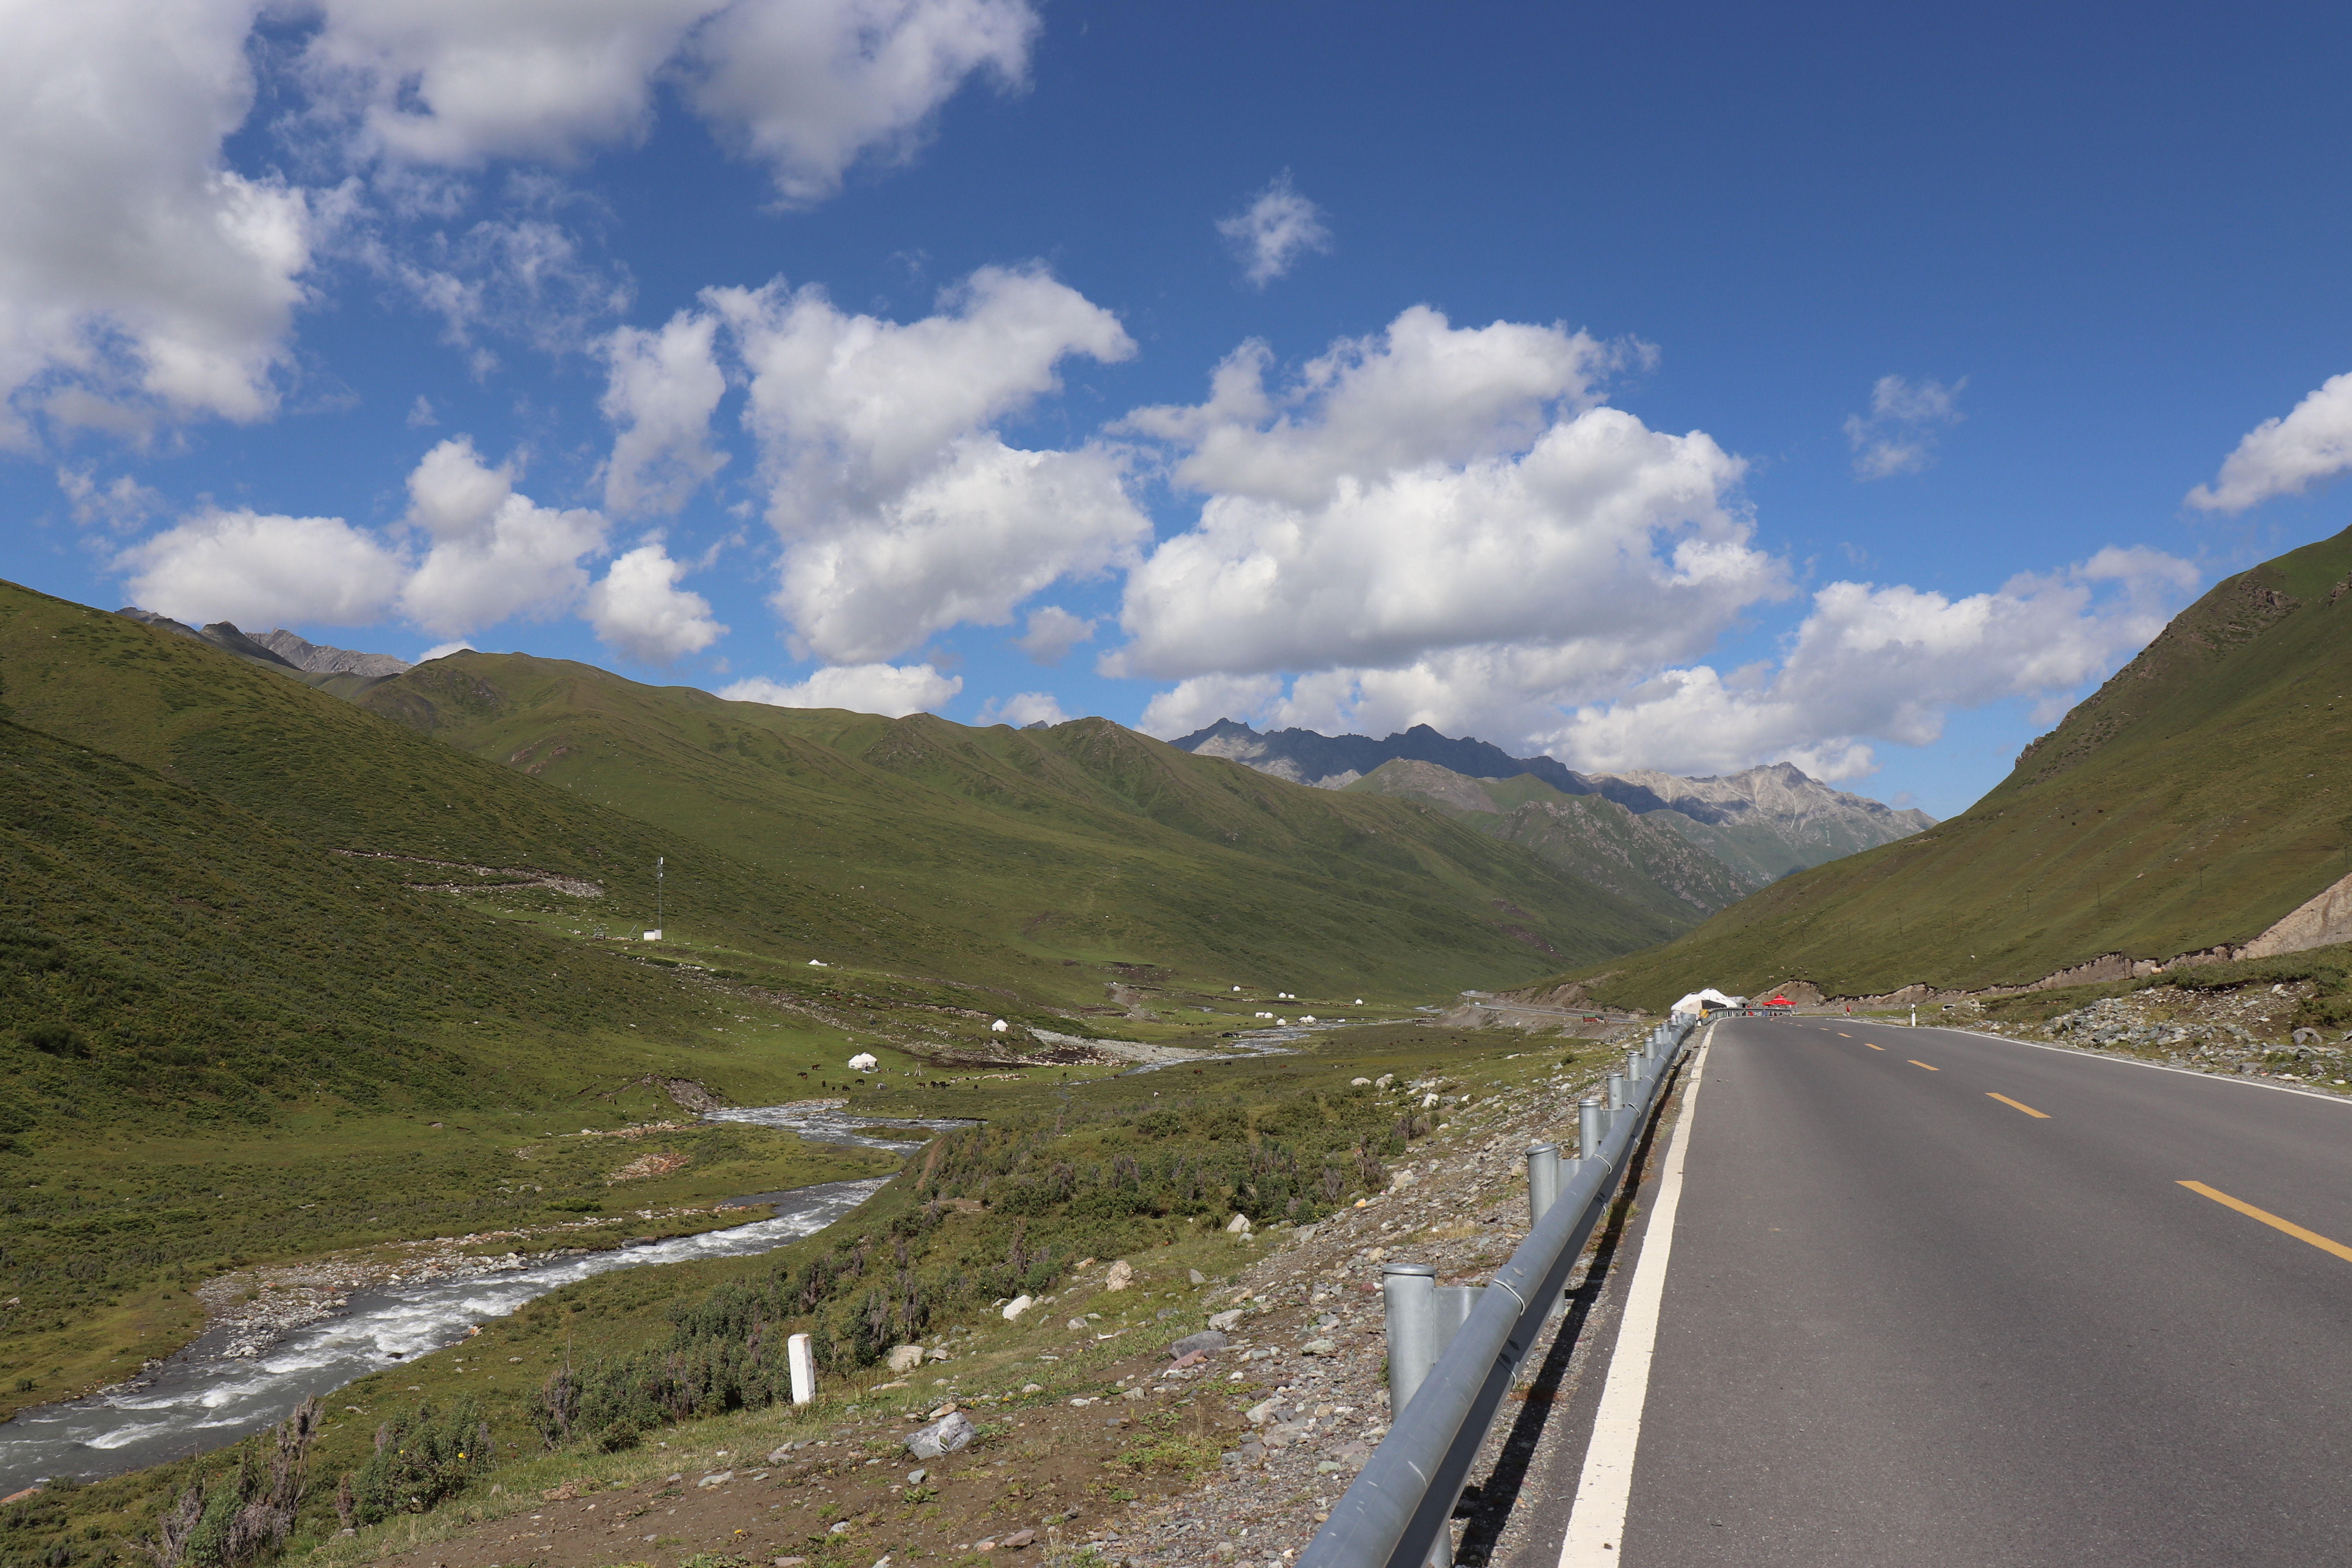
1093 1446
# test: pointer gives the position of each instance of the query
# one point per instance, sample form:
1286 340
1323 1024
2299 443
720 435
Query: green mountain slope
1080 843
325 771
168 961
2193 800
1643 859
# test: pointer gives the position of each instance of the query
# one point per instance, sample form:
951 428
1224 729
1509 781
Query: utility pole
659 861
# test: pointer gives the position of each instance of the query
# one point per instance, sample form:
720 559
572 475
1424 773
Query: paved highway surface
1933 1299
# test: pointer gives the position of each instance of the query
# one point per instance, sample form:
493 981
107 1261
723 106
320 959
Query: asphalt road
1906 1321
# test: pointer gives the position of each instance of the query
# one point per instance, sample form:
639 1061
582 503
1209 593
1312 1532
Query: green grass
2194 800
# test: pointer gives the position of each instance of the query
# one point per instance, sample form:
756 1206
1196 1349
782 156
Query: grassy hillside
338 776
1642 859
2193 800
221 1042
1073 845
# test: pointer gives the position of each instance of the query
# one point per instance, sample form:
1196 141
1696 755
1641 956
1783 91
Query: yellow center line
2292 1229
1915 1062
2019 1105
1873 1048
1844 1035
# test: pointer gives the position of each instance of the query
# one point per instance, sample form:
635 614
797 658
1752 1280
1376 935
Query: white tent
1697 1001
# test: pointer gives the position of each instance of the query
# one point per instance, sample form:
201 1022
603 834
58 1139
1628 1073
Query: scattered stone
1018 1539
720 1479
1226 1322
906 1358
1015 1307
1119 1277
1198 1278
1202 1344
1239 1224
914 1477
1319 1347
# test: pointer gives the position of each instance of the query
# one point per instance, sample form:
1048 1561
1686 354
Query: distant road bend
1920 1298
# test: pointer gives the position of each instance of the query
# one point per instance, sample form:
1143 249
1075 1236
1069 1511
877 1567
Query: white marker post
804 1365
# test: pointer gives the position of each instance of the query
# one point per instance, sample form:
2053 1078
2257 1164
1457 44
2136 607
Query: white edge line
2242 1080
1596 1520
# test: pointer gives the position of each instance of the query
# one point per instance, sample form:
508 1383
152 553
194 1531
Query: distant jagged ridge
1763 823
320 659
286 649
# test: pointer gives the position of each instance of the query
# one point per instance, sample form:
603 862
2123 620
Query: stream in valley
201 1398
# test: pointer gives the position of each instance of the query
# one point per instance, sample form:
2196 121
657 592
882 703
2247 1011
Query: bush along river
218 1390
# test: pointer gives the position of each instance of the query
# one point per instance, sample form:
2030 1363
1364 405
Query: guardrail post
1409 1301
1451 1306
1591 1127
1543 1180
1618 1096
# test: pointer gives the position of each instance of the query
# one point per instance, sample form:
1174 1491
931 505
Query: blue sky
1659 387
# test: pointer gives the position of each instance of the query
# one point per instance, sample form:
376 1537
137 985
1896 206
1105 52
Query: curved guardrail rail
1395 1514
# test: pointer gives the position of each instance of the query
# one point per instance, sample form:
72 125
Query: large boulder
944 1436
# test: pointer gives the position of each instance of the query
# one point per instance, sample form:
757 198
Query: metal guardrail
1455 1352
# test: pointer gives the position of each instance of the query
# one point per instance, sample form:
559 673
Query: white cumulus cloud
1869 662
1888 663
1051 633
1275 230
1438 489
263 570
121 503
892 689
1448 527
470 552
2285 456
141 277
663 388
457 81
492 552
1022 708
902 509
1906 419
638 608
807 87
